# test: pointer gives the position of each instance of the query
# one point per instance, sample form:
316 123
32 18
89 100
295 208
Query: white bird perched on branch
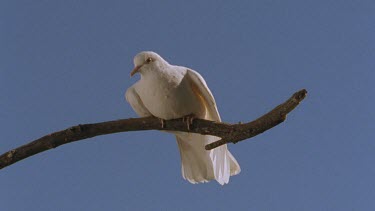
169 92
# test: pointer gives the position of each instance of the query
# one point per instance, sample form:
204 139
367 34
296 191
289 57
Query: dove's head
147 61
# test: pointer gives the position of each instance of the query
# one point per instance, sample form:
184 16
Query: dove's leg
162 121
189 120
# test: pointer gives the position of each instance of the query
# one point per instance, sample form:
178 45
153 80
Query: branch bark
229 133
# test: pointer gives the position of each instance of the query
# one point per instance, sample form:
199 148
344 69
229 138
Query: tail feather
234 166
196 166
200 165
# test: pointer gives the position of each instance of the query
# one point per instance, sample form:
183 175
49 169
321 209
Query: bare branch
230 133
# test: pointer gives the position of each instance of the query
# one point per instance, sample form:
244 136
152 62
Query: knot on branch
76 129
11 153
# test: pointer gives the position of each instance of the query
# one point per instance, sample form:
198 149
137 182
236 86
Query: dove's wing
201 89
223 163
136 103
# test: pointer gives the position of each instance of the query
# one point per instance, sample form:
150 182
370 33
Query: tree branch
230 133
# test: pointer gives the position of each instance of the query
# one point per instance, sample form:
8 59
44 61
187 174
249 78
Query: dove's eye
149 59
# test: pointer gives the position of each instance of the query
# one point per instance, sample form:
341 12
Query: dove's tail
201 165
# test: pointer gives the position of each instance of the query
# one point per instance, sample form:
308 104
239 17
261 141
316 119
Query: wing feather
136 103
200 88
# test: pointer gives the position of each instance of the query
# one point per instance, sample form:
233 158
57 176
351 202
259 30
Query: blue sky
64 63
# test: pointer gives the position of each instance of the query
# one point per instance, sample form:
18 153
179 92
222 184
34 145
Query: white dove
168 92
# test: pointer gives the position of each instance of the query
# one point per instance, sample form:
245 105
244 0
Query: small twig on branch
229 133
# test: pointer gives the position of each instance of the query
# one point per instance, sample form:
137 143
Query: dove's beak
135 70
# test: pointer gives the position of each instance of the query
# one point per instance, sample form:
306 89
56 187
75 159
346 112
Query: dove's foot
162 121
189 120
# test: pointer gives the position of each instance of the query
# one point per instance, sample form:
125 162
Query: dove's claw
162 121
189 120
